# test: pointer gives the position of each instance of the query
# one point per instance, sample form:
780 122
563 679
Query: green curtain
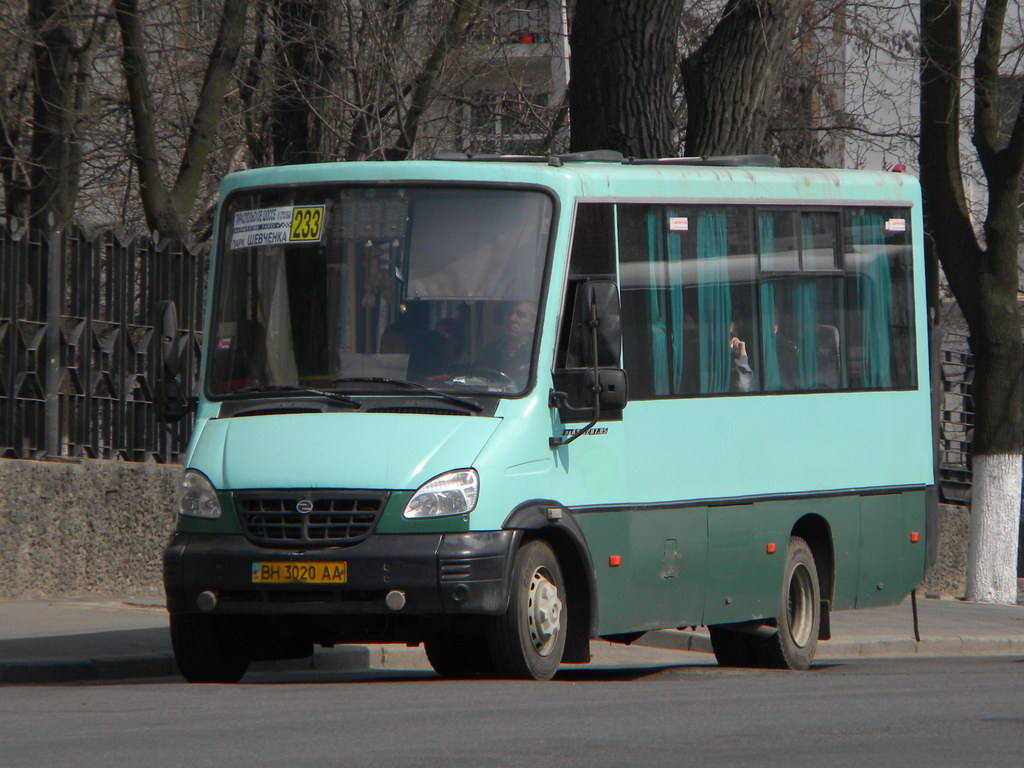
714 303
656 308
805 313
805 317
872 295
766 239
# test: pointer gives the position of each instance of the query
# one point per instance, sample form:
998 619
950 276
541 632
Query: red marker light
915 537
899 168
770 549
615 561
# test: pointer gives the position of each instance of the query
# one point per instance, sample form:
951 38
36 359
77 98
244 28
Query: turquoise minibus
503 406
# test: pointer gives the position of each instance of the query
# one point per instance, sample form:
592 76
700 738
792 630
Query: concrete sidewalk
116 638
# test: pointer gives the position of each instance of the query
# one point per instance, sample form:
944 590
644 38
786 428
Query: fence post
54 301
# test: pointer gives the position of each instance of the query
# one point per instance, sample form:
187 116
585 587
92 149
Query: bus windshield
328 286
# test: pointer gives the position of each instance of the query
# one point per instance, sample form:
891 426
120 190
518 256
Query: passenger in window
787 352
741 377
511 353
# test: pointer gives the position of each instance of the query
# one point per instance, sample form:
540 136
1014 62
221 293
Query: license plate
299 573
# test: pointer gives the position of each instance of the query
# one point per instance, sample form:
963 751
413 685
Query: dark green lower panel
693 565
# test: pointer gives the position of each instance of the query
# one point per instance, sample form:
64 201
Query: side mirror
611 389
595 340
174 400
172 342
597 301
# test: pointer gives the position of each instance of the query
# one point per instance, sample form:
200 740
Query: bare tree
169 209
982 273
48 52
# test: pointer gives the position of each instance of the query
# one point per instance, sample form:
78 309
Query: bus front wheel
793 646
529 639
207 649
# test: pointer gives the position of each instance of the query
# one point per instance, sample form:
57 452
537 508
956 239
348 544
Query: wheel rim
801 605
544 612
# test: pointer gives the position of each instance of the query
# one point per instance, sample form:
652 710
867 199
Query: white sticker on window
895 225
679 224
276 226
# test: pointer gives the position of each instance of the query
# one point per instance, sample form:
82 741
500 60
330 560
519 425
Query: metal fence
956 420
79 343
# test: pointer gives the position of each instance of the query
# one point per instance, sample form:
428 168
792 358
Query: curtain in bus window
766 240
805 314
714 303
871 296
656 304
273 312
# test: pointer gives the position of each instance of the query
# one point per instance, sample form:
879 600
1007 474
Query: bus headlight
197 496
453 493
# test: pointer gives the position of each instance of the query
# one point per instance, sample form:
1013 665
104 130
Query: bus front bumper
434 574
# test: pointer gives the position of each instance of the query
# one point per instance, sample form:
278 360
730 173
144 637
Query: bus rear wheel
529 639
207 649
793 646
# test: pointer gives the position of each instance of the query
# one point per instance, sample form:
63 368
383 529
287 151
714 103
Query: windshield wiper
473 406
297 390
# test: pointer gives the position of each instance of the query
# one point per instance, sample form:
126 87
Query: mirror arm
595 414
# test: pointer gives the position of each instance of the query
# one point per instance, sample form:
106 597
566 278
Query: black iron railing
79 349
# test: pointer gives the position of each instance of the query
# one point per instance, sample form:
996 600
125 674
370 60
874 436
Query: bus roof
607 177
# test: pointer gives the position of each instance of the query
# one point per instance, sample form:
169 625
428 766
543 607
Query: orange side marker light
915 537
615 561
770 548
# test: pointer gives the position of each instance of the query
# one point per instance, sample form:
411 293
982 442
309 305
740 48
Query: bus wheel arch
816 531
528 640
570 547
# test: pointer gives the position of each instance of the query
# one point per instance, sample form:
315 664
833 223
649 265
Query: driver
511 353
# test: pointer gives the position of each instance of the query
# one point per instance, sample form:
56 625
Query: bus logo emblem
304 507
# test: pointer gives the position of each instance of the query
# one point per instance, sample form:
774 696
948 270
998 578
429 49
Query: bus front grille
320 519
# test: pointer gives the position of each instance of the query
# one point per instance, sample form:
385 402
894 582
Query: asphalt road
907 712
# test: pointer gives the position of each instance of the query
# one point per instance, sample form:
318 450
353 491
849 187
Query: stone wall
70 528
949 576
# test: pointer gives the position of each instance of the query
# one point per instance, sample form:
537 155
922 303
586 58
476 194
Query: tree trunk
983 279
732 76
299 69
623 66
55 151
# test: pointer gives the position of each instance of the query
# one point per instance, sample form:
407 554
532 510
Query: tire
527 642
458 655
734 649
793 646
206 649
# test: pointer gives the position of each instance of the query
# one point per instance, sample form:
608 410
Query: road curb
87 670
350 658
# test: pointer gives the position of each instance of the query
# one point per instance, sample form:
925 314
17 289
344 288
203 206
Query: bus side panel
650 567
889 565
915 553
730 596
